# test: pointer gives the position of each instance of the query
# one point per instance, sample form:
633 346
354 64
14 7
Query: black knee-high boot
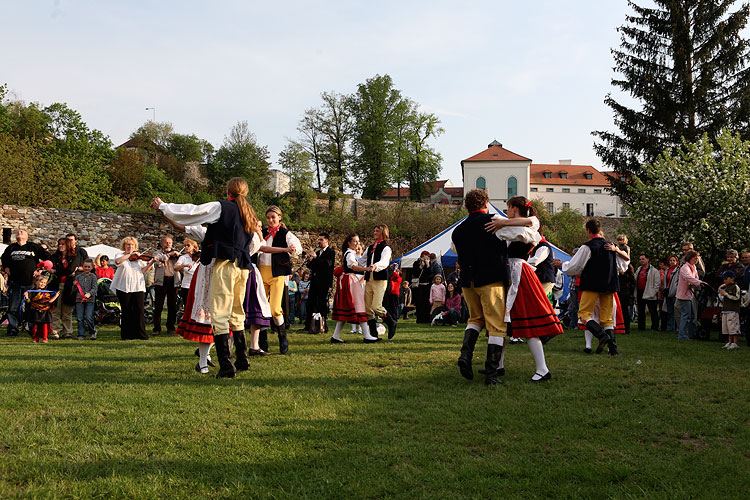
373 325
467 353
283 341
598 332
240 350
612 345
492 365
263 339
226 367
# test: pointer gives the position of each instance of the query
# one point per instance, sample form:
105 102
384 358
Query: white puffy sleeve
197 232
526 234
293 241
575 266
188 214
255 244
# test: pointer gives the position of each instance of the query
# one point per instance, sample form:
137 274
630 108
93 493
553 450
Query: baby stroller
107 308
708 315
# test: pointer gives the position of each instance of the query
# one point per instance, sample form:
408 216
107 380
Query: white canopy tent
107 250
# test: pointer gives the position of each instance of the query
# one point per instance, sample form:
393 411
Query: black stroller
107 307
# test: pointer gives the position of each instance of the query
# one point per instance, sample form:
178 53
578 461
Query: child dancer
349 299
257 307
40 301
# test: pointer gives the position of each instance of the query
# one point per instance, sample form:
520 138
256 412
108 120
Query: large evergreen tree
682 61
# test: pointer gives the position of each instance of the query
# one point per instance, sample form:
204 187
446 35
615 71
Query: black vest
600 273
348 269
373 255
483 256
544 270
281 263
519 250
226 238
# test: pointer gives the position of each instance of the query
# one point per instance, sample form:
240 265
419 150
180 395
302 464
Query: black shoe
240 351
257 352
543 379
283 341
492 364
226 367
500 372
587 350
613 351
598 332
200 369
337 341
263 339
467 353
372 341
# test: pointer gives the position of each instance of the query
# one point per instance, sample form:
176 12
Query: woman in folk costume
349 299
376 259
228 242
275 265
257 307
527 308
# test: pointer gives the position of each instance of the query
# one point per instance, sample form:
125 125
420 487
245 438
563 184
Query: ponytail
237 188
524 206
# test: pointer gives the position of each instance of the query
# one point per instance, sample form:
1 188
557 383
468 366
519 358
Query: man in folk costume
598 264
483 258
376 259
321 266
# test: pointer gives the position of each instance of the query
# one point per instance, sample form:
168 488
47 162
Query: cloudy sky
532 75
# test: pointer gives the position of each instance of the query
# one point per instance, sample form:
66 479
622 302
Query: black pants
317 302
390 302
170 292
132 321
653 310
422 303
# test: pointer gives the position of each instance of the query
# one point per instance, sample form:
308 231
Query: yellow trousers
274 290
228 285
606 303
487 308
374 292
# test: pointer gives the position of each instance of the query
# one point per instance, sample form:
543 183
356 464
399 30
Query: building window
589 209
550 190
481 183
588 176
547 174
623 212
566 190
566 206
512 187
581 190
563 175
597 191
550 207
622 178
534 190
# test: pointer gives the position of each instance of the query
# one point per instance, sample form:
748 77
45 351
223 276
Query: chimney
566 162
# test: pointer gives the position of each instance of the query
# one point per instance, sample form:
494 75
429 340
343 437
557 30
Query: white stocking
254 331
588 336
203 353
337 330
537 350
366 331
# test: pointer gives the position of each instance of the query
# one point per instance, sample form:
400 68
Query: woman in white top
187 264
130 287
349 299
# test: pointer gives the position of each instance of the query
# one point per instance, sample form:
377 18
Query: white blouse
187 272
264 259
129 275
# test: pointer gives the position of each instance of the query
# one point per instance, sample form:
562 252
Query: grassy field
114 419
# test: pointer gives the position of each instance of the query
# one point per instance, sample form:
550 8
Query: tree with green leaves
311 131
423 161
684 64
295 163
699 193
18 163
337 127
127 173
374 107
241 156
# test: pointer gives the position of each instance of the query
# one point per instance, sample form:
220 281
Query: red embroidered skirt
189 328
349 300
532 314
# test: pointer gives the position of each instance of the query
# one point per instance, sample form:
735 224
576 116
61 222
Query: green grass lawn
114 419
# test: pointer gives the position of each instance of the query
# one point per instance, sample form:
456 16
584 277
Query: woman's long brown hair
237 188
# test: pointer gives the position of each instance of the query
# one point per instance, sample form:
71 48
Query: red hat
424 252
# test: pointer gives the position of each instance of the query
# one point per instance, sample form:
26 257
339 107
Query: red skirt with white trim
190 329
532 314
349 300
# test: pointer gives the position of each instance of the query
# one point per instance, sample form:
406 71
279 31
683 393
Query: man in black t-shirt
19 261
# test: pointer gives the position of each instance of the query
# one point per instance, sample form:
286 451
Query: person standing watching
164 260
74 256
423 273
321 278
19 262
647 290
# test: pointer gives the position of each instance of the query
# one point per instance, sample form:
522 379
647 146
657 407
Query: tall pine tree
683 62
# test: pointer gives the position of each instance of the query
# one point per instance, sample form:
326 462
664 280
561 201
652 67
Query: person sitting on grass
730 314
451 313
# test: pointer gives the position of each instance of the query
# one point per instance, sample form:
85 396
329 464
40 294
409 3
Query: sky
532 75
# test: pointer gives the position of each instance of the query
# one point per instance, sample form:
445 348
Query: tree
423 162
374 108
241 156
18 162
682 61
295 163
564 228
127 173
187 148
696 193
311 129
337 128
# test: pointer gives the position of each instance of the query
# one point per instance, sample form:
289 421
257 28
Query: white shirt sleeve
526 234
293 241
188 214
575 266
385 259
540 255
255 244
352 259
622 264
197 232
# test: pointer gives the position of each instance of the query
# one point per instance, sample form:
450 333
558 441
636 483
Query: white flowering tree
699 193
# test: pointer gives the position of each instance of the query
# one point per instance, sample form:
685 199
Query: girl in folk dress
40 304
349 299
257 307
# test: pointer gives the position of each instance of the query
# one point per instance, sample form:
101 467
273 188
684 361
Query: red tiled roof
454 191
496 152
575 175
432 188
